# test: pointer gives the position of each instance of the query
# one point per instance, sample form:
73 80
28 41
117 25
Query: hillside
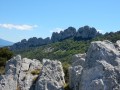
60 50
5 43
64 50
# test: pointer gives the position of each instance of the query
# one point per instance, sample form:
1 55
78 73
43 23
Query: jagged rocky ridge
98 69
83 33
27 74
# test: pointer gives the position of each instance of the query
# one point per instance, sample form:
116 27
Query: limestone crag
51 76
75 70
101 69
18 73
27 74
83 33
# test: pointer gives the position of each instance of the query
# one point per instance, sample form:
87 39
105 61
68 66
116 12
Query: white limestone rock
18 71
51 76
75 70
101 69
102 65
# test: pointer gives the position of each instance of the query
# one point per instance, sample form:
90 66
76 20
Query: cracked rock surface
27 74
101 69
18 73
51 76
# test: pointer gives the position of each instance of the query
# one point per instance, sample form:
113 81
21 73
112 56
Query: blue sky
21 19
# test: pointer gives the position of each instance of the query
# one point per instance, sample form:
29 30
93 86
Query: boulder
20 73
102 65
101 69
51 76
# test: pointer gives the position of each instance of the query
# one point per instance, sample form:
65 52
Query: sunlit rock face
101 69
51 76
18 73
27 74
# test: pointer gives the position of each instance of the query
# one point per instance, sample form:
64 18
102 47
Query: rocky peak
86 32
83 33
67 33
100 70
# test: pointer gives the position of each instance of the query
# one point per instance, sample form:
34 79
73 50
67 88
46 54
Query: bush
35 72
5 54
65 69
66 86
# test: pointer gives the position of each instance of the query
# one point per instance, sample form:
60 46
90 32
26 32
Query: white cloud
101 31
18 27
57 30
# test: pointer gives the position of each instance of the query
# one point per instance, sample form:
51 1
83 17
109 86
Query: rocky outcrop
101 68
86 33
67 33
19 73
27 74
75 70
83 33
32 42
51 76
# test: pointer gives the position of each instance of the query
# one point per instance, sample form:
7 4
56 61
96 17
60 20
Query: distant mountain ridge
83 33
5 43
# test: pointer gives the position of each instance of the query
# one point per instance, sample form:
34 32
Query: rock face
32 42
75 70
86 33
51 76
67 33
27 74
101 69
18 73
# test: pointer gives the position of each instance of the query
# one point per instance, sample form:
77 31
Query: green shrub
66 86
66 72
35 72
5 54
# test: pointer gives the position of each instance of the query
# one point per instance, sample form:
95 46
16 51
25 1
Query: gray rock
51 76
75 70
8 82
101 70
78 59
18 73
67 33
86 32
31 42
